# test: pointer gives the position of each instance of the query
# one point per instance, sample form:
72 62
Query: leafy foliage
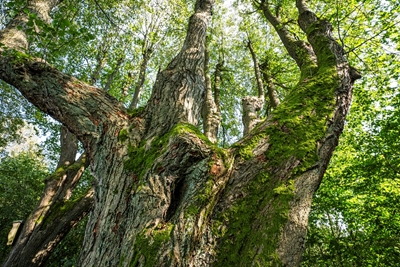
21 184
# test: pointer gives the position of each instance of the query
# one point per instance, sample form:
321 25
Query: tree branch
299 50
77 105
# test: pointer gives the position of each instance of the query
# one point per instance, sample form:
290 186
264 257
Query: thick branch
182 82
84 109
69 147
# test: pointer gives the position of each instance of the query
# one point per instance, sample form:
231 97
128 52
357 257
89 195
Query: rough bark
182 83
165 195
251 106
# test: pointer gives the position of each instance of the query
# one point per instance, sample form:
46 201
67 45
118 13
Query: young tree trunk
55 213
141 79
252 105
210 112
164 194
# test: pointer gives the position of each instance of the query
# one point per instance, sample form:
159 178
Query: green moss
123 135
58 210
63 169
135 112
298 124
142 157
246 230
246 150
147 245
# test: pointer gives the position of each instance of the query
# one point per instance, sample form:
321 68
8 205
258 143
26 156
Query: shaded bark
164 195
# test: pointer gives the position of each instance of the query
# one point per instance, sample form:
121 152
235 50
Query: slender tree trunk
210 112
217 84
252 105
55 214
141 79
271 90
165 195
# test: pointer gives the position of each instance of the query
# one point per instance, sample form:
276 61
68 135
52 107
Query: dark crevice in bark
178 191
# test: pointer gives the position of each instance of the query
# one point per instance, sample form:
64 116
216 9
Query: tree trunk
210 112
141 79
55 213
164 194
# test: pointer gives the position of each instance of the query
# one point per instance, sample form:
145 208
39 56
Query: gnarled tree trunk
164 194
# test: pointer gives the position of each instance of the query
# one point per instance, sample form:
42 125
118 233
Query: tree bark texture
271 90
164 194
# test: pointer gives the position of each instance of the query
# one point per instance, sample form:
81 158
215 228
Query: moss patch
256 220
246 230
142 157
148 244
